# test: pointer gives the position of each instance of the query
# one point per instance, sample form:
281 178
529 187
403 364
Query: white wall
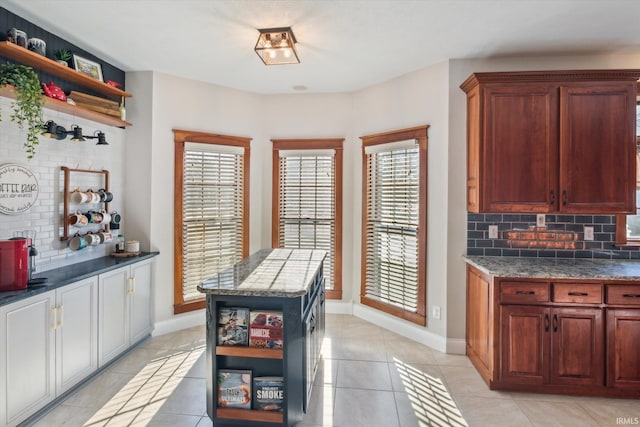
415 99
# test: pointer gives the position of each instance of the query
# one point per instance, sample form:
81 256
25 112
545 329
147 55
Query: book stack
94 103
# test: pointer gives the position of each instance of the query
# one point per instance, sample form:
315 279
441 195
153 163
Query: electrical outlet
493 231
588 233
540 220
436 312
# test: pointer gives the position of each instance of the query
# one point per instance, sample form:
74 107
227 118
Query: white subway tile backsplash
45 217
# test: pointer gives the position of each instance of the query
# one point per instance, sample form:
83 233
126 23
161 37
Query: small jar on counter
120 244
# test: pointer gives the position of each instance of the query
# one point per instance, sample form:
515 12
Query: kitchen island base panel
290 365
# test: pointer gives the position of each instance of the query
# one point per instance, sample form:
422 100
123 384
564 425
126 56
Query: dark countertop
268 272
557 268
70 274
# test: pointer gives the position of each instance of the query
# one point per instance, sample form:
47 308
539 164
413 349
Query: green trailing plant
27 108
62 55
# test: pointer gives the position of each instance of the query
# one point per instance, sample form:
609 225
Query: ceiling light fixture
277 46
53 130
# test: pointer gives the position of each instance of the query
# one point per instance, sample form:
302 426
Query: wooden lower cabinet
623 348
577 346
528 335
525 345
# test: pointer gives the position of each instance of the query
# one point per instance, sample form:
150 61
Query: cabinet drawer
577 293
623 294
524 292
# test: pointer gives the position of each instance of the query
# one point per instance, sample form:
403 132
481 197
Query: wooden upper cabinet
557 141
520 147
597 147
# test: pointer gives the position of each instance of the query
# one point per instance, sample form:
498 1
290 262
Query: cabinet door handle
555 323
630 295
552 195
525 292
546 322
578 294
130 290
564 197
61 308
133 285
54 318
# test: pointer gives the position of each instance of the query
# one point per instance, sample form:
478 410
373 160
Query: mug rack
67 191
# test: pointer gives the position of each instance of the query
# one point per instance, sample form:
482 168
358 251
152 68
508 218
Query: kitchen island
287 281
555 325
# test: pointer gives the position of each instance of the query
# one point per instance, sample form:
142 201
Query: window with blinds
306 208
393 232
211 230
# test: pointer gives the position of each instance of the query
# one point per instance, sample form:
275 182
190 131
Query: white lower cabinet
48 343
125 309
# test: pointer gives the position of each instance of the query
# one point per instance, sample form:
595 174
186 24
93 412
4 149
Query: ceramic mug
95 197
105 237
78 196
92 239
77 243
116 217
105 196
78 219
106 217
94 217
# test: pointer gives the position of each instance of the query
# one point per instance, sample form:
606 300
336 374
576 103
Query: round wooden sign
18 189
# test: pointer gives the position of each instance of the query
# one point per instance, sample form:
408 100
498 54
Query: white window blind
392 224
306 205
212 232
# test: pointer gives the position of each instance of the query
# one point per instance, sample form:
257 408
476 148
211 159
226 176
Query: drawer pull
578 294
525 292
631 295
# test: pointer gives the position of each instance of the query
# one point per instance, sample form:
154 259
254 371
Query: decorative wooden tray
124 254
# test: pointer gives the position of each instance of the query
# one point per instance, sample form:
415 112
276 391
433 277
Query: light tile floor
368 377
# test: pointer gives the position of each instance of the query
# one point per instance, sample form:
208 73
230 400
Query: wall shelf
74 110
263 353
19 54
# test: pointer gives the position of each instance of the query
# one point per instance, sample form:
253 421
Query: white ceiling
343 45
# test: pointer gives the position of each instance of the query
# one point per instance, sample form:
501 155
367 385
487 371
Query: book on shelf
234 388
266 329
233 325
268 393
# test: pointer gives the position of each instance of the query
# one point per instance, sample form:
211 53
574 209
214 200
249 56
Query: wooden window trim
182 136
419 133
311 144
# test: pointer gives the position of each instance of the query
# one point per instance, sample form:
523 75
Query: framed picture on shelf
87 67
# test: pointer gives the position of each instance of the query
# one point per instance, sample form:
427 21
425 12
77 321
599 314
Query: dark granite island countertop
557 268
268 272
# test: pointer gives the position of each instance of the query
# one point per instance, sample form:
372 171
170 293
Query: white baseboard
338 307
179 322
401 327
456 346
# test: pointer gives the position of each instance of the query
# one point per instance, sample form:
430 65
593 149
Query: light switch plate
540 220
493 231
588 233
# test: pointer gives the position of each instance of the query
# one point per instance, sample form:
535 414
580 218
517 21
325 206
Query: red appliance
14 264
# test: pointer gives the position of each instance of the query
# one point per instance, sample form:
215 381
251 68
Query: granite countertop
70 274
557 268
268 272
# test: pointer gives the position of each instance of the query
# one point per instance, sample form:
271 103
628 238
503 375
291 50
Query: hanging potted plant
27 108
